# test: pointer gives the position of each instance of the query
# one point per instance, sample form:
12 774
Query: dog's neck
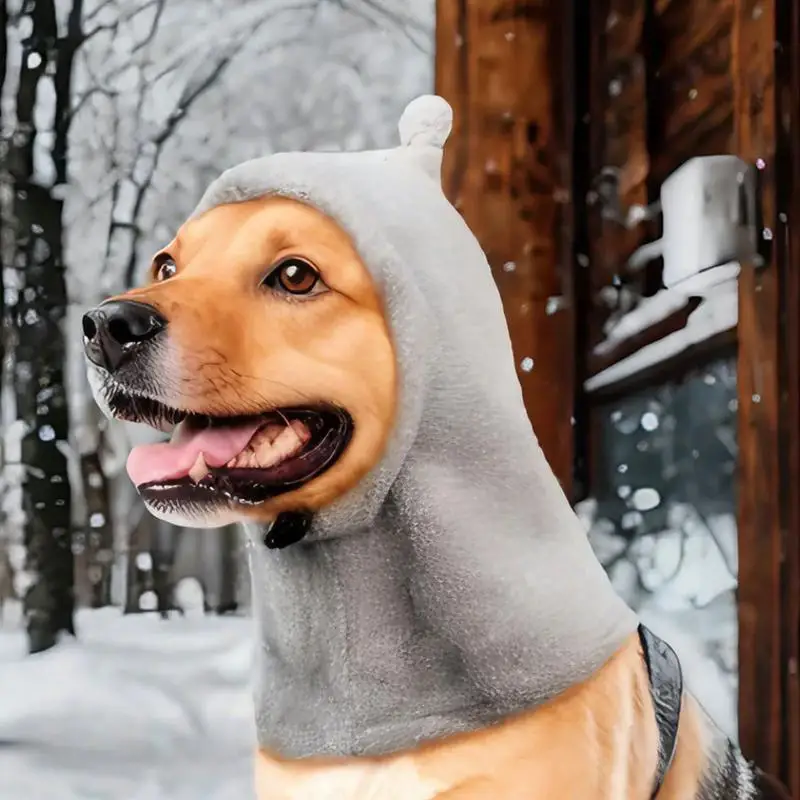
556 748
413 628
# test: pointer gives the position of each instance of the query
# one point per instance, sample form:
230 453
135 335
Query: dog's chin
196 515
280 451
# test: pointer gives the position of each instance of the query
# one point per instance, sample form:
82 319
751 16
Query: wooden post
788 250
502 66
769 514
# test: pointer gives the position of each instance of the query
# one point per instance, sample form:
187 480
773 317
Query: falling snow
46 433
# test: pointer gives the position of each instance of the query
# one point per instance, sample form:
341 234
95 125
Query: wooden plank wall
766 69
788 254
692 90
673 79
760 538
662 92
500 63
617 118
667 80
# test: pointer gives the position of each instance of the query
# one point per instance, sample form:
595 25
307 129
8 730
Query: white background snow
137 709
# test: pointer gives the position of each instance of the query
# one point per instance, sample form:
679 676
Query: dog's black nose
115 331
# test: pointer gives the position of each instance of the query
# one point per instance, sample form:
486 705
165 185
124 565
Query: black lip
133 406
331 430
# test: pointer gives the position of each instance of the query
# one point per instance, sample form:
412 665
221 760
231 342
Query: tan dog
596 740
326 341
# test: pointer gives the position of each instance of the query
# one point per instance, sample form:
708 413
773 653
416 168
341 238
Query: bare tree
45 76
3 187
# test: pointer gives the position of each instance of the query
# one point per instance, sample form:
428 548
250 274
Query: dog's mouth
226 460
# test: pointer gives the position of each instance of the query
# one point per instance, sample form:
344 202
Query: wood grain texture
723 76
501 65
760 526
618 107
662 93
692 86
667 80
787 256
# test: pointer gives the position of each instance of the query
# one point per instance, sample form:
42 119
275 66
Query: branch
88 95
159 4
405 23
145 165
121 18
681 557
98 10
715 538
113 26
185 103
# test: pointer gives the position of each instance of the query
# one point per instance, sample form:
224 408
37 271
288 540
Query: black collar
666 689
288 528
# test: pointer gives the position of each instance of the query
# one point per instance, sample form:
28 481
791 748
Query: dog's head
261 343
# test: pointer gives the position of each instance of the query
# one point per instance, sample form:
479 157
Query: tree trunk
163 555
41 403
100 533
4 209
228 603
38 318
137 580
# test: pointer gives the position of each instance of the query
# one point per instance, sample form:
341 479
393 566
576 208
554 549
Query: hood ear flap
424 127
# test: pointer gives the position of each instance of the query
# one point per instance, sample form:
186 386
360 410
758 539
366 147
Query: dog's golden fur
230 342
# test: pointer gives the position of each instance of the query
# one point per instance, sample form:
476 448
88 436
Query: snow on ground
137 708
681 585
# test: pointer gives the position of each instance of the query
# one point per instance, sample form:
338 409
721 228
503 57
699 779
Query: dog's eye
294 276
164 267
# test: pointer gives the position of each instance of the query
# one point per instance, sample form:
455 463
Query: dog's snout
114 331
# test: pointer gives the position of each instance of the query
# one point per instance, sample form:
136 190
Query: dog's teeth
199 469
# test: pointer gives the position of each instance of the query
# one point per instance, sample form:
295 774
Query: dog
325 343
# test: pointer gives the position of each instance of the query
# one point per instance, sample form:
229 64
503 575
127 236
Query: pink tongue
168 460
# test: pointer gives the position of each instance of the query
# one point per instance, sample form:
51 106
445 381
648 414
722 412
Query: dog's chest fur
345 663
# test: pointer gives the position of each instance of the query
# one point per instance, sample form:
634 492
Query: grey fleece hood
454 584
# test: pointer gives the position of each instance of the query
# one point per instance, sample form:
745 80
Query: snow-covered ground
137 709
681 582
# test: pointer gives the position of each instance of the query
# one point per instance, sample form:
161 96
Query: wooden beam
502 66
654 332
673 369
768 424
787 254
